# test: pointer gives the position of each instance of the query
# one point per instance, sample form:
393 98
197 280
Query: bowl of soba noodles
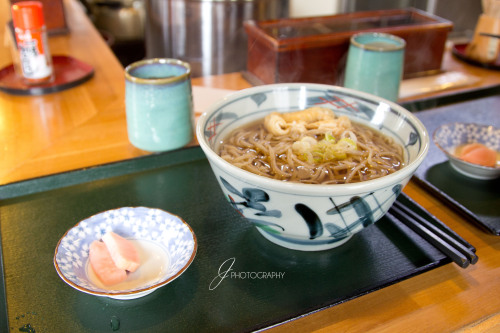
310 165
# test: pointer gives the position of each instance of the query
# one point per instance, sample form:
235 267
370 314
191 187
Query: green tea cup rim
399 40
165 80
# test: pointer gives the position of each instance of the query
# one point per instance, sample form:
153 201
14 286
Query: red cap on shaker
28 15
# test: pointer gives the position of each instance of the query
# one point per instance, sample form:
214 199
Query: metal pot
208 34
123 19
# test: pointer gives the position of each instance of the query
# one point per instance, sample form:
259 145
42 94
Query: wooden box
314 49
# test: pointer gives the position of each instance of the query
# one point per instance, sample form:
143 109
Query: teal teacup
159 104
375 64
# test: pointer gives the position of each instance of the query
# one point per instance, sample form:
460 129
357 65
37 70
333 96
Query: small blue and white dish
166 245
450 136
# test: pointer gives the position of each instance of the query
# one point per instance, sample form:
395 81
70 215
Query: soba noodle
291 147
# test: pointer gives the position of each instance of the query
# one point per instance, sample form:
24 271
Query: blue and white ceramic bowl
449 136
166 245
303 216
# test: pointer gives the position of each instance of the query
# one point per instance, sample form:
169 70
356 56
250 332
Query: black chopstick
445 242
458 257
452 238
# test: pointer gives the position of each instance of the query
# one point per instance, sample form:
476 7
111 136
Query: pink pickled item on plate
104 266
122 251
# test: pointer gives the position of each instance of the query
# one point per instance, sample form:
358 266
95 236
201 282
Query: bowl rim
313 189
453 157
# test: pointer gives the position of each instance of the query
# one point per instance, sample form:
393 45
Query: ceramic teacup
375 64
159 104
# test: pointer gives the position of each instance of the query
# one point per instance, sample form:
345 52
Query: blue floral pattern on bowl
166 232
251 203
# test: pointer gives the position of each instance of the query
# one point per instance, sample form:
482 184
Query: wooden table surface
86 126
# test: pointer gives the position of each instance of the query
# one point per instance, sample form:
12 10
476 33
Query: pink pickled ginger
122 251
104 266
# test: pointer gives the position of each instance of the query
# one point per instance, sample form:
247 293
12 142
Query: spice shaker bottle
31 37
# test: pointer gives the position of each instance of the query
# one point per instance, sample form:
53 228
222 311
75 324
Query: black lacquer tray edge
4 318
447 98
98 172
455 205
357 294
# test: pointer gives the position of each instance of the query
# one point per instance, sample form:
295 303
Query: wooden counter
86 126
76 128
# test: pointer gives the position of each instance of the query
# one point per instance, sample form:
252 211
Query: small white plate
449 136
166 244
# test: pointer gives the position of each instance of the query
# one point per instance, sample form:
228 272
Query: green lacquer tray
272 285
